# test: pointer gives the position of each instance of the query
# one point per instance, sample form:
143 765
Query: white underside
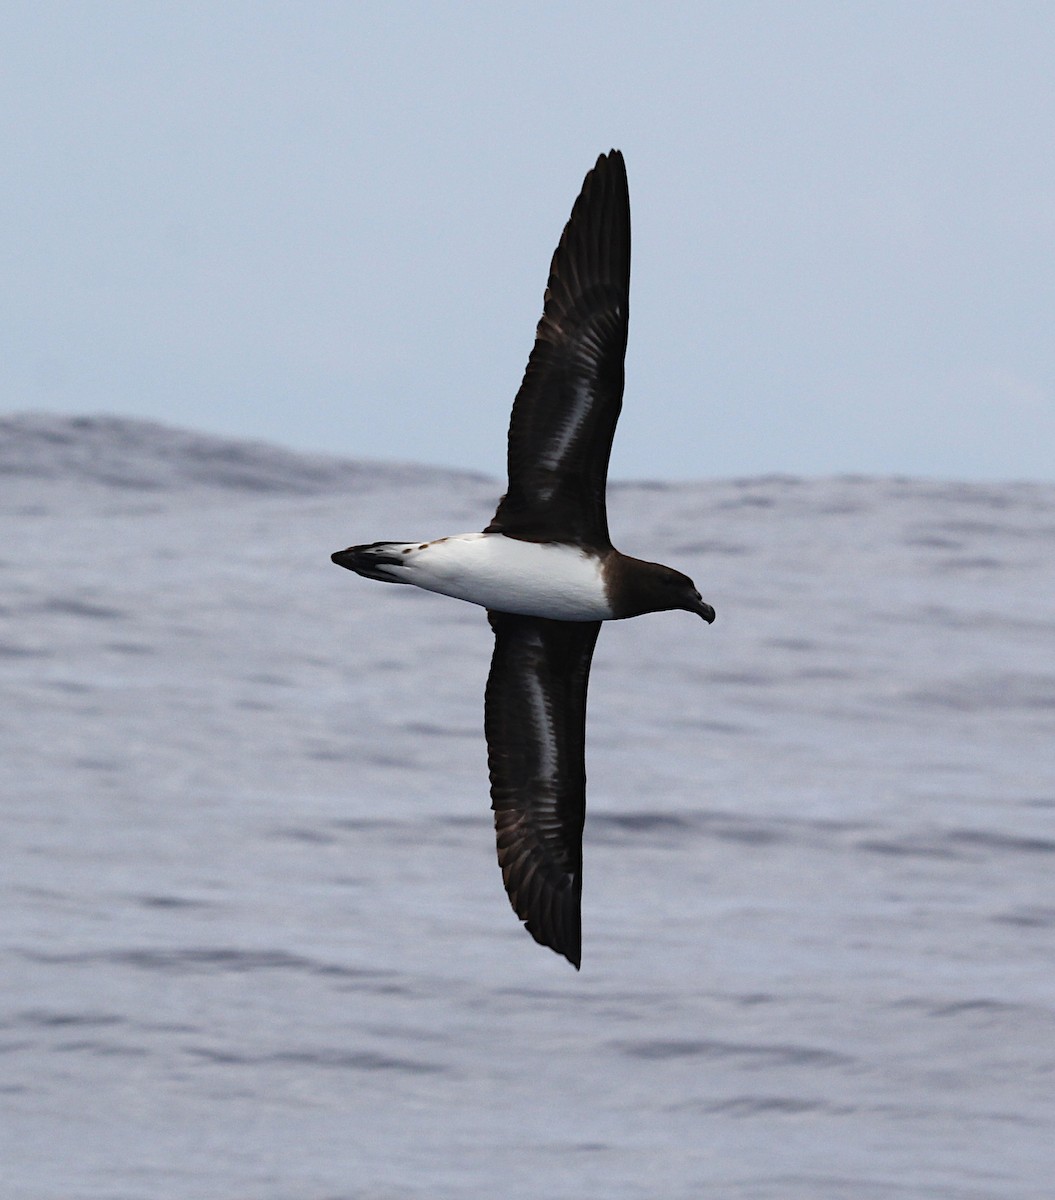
495 571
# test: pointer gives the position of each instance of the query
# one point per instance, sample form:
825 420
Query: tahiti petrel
545 568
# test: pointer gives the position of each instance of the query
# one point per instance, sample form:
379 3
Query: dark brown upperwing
535 721
564 416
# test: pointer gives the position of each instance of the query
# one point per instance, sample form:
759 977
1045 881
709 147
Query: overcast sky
329 225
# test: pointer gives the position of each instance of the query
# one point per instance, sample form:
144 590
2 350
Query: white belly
499 572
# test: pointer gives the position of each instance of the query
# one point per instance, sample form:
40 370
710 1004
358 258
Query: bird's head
682 593
644 587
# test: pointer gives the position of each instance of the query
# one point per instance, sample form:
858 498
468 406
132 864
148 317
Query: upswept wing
535 721
564 416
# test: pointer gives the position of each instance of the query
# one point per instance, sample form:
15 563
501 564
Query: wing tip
569 947
612 160
608 166
553 916
609 171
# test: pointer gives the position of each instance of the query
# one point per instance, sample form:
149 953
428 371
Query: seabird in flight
545 568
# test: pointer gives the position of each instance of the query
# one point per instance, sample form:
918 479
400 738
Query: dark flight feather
564 416
535 721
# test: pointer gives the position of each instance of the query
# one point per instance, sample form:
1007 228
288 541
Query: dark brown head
635 587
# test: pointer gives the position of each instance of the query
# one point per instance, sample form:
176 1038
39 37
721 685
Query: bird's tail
375 560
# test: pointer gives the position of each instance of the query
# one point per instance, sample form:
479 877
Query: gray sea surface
255 943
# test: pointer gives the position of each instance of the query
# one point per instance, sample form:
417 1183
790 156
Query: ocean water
255 943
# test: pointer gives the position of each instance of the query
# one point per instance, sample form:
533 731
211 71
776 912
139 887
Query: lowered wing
535 721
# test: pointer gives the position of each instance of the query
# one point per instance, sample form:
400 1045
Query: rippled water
255 942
